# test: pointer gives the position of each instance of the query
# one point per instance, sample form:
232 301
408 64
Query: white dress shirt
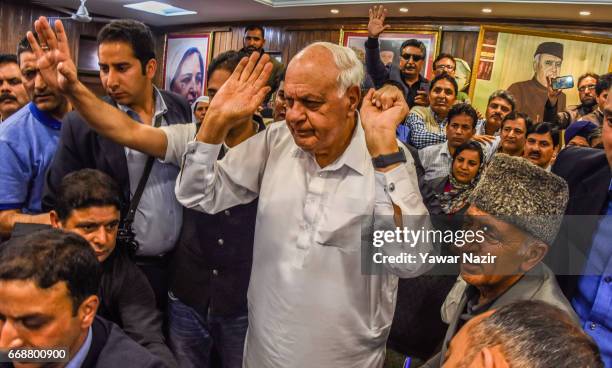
309 303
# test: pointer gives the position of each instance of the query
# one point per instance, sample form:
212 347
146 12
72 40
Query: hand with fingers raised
238 98
380 121
376 24
53 56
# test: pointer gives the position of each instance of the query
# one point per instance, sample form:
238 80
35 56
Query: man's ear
55 221
536 250
492 357
354 96
151 68
87 310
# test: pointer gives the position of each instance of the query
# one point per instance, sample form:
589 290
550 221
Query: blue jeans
192 336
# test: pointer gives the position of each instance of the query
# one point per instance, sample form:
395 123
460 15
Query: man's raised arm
59 72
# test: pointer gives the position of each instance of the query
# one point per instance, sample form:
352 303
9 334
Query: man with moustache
126 52
542 145
28 140
531 95
13 95
412 57
601 95
255 40
514 130
500 104
588 102
518 226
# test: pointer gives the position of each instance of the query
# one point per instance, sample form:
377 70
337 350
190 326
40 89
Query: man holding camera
88 204
127 68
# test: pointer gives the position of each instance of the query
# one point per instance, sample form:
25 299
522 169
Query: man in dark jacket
583 247
127 67
88 204
48 285
412 58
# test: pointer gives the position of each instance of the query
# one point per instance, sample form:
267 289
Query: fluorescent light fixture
487 10
334 11
404 10
585 13
158 8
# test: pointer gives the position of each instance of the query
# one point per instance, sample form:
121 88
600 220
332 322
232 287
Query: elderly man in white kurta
310 305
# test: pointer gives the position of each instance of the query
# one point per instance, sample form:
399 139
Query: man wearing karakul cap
519 225
532 95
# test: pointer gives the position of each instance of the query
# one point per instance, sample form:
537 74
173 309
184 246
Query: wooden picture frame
506 59
186 59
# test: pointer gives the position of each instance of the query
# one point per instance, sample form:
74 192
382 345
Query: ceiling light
585 13
487 10
334 11
156 7
404 10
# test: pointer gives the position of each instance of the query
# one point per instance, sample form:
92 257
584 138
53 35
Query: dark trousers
156 271
194 339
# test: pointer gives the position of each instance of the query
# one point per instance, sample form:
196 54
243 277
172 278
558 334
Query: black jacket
126 298
211 265
80 147
111 348
588 174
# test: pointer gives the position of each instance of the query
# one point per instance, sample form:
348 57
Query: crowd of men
140 231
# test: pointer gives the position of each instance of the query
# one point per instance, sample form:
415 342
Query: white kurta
309 303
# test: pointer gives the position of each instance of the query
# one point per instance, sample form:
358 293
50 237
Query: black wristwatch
383 161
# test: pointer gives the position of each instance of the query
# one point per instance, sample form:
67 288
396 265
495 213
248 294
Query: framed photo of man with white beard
525 61
390 42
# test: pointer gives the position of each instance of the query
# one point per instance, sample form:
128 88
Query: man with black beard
588 103
13 95
254 40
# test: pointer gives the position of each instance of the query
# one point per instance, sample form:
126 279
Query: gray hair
502 93
534 334
351 71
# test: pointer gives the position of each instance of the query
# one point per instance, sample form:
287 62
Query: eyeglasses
445 67
414 57
584 88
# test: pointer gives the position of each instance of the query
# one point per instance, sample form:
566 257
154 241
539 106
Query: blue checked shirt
593 303
422 133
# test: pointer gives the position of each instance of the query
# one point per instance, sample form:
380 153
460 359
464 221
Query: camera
127 238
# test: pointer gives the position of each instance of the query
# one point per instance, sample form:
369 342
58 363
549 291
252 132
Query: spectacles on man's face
587 87
414 57
445 67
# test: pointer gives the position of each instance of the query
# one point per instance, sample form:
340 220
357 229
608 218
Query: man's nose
9 338
39 83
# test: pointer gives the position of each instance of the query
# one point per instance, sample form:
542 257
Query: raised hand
53 54
380 124
376 25
238 98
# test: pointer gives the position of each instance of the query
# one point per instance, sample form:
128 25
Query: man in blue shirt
28 140
588 173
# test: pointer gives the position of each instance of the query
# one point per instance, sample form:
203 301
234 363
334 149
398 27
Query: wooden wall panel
460 44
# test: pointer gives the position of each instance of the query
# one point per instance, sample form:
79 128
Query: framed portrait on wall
524 62
185 62
390 42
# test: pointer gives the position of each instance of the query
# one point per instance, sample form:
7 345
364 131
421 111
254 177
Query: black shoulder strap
143 180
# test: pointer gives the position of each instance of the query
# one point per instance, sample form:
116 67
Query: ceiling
209 11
